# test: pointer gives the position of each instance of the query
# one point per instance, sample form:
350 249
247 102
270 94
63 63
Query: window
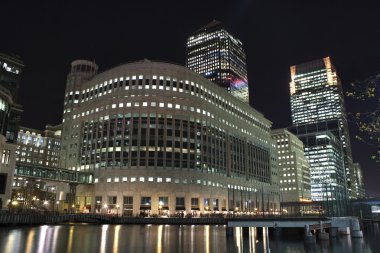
180 203
127 205
145 203
194 203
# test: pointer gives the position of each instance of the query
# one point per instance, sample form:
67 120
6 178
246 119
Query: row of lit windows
176 181
123 142
188 86
288 189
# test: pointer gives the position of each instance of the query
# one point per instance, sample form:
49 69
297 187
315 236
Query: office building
10 76
160 138
324 153
293 167
316 97
11 68
39 147
218 56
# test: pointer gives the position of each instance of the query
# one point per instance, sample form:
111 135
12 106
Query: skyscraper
316 98
219 57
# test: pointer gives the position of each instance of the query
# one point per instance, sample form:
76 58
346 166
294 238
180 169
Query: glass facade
316 98
10 76
219 57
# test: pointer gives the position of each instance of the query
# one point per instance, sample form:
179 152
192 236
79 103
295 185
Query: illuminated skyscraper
219 57
316 99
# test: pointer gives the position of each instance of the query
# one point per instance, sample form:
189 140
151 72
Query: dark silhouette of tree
367 120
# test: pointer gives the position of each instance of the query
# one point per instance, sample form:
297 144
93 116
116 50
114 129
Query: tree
367 120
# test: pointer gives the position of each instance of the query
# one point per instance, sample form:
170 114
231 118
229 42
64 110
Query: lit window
116 180
125 179
142 179
150 179
168 180
159 180
133 179
109 180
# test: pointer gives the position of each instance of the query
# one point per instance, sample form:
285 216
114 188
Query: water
84 238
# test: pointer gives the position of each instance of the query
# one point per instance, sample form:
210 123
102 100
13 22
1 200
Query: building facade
11 68
161 138
10 76
293 167
39 147
316 97
7 165
323 151
218 56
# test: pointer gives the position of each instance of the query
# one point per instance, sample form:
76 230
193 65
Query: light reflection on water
164 238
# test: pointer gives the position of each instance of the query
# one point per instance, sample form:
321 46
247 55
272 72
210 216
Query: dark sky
275 34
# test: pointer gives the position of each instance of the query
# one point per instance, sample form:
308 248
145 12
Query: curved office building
160 138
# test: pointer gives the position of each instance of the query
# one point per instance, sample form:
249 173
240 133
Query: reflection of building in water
161 138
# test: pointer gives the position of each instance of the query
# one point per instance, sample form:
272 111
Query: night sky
275 34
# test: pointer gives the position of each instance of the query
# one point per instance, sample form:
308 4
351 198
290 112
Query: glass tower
316 98
219 57
11 68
